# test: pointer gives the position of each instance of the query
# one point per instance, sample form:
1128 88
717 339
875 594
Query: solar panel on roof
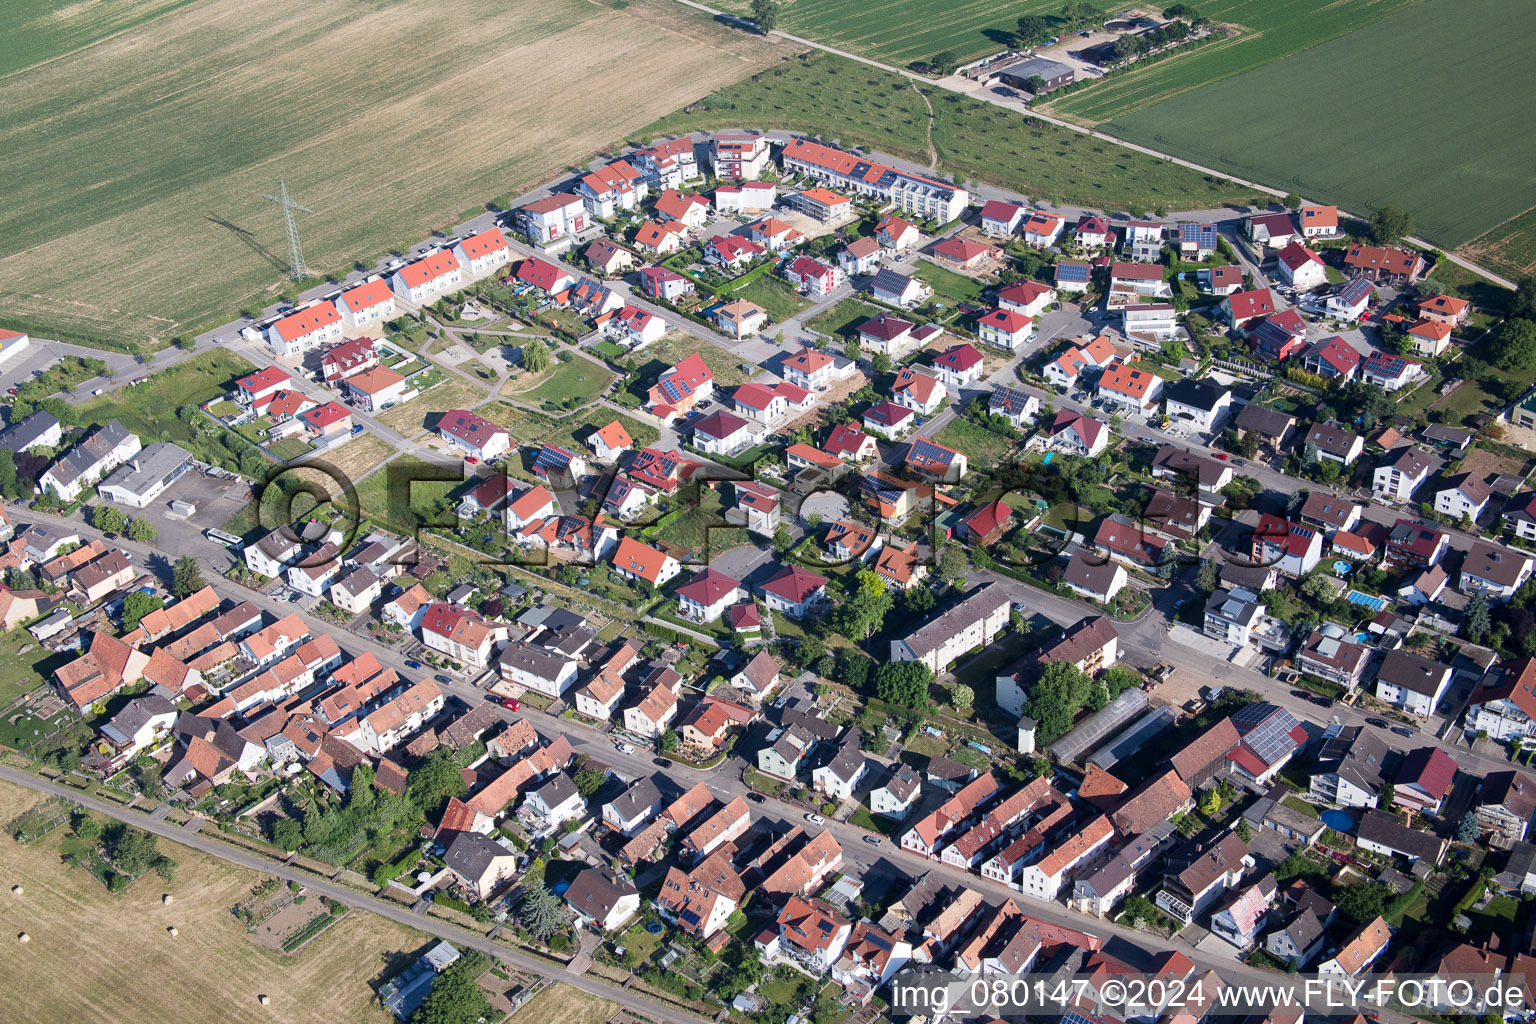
1268 731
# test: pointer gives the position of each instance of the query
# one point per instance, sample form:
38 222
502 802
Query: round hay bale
166 898
16 890
23 938
264 999
173 932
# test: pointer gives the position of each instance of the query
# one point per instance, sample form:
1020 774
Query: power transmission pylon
295 252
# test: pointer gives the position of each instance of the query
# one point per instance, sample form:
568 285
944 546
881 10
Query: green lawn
567 384
983 448
843 319
949 288
290 448
1354 157
775 295
835 98
23 673
702 530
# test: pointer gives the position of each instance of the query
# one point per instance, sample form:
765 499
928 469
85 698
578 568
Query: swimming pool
1342 567
1339 821
1375 604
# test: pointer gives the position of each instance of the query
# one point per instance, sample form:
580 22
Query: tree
151 781
1361 901
287 834
455 996
1291 200
1476 619
943 63
1210 574
1168 562
435 781
852 670
10 485
134 850
766 14
782 541
137 605
141 530
1466 829
863 614
1389 224
904 683
1244 830
669 740
186 576
540 911
1388 796
1210 803
919 601
1514 346
1035 84
85 827
1311 456
1297 499
1080 14
108 519
880 362
952 564
1033 29
962 697
1055 699
588 782
535 356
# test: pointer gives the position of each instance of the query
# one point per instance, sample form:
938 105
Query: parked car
756 798
1380 723
661 762
815 819
1403 730
511 703
1303 694
1223 456
623 748
442 679
412 664
1322 702
872 840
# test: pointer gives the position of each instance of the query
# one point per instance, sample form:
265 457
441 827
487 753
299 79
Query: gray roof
28 432
636 799
1357 755
86 455
903 782
472 854
1094 578
977 605
1041 66
849 759
596 891
537 661
1384 828
557 790
1197 394
356 581
1410 672
148 468
135 715
1264 420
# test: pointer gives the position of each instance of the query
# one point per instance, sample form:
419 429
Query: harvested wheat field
134 164
562 1004
98 956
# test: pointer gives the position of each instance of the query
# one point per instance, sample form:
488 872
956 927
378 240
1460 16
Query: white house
367 304
1203 404
484 252
305 330
706 597
1412 683
90 460
1464 496
1397 479
474 434
1031 298
1005 328
1301 268
428 279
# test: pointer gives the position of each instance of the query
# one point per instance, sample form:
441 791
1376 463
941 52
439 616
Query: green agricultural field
856 105
1331 124
907 31
140 135
1268 31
